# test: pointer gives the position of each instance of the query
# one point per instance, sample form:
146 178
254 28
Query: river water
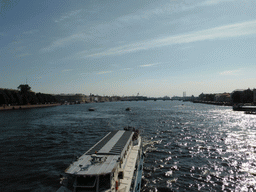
189 147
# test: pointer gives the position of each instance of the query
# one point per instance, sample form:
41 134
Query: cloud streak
33 31
167 9
24 55
227 31
104 72
66 70
68 15
231 72
214 2
125 69
64 42
149 65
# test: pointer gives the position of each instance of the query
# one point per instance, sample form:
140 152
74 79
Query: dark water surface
189 147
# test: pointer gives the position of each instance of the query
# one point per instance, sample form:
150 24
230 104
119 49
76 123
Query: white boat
114 164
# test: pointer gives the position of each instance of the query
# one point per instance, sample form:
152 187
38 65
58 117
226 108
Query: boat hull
115 163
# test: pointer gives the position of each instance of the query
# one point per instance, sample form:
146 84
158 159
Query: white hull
115 163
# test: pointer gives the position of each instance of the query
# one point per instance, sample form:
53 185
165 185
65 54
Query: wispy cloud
64 42
68 15
24 55
167 9
231 72
125 69
227 31
123 20
31 32
104 72
149 65
214 2
145 14
170 8
66 70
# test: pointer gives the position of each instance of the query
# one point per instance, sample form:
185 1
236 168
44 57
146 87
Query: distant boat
250 112
114 164
128 109
244 107
91 109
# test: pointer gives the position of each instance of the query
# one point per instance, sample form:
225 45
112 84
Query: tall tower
184 94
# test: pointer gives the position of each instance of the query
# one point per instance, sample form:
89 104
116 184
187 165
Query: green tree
24 90
9 93
40 98
4 99
18 97
33 98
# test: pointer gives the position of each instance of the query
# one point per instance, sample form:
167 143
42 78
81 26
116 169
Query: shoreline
18 107
213 102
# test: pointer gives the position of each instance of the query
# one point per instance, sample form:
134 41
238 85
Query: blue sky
154 48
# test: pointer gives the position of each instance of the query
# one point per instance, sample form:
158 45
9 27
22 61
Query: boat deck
109 149
112 144
117 152
129 167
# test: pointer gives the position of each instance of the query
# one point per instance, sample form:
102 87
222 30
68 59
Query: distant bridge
145 99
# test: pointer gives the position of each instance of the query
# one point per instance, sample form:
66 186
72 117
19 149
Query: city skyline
127 47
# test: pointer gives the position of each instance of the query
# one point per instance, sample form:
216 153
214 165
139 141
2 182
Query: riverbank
17 107
213 102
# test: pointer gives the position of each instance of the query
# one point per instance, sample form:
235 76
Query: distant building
71 98
188 98
176 98
237 95
134 98
87 98
114 98
243 96
223 97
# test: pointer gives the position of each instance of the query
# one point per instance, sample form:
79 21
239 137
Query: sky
154 48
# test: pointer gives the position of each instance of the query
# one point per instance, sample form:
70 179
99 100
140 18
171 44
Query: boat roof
103 157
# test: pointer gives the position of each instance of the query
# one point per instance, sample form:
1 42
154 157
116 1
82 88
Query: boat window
104 182
121 175
70 181
88 181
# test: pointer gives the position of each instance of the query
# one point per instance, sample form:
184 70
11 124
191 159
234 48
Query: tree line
237 96
24 96
245 96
